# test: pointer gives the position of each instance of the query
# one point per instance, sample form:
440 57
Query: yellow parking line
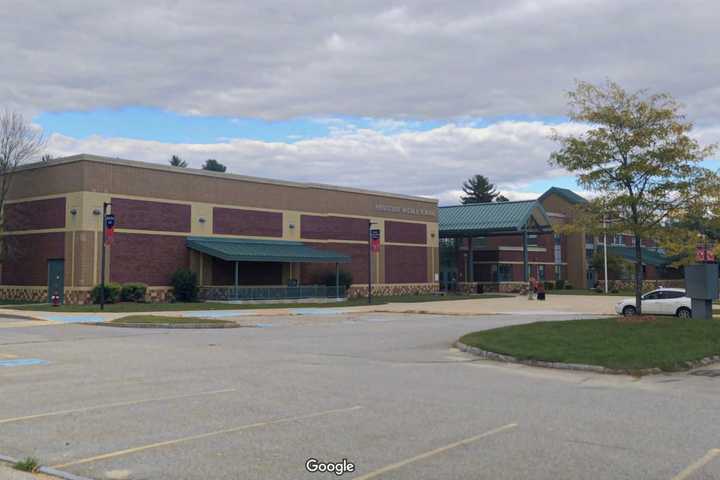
422 456
204 435
697 465
111 405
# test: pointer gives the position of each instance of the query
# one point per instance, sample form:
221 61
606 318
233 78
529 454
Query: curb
46 470
170 326
579 366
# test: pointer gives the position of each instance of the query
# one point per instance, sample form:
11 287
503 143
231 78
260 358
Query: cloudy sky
411 97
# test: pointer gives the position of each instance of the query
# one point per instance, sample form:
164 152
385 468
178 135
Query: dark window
667 294
504 273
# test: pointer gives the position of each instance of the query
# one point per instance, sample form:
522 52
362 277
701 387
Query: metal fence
274 293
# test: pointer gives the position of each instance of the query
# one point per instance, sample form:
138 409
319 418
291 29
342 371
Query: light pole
102 257
605 253
371 232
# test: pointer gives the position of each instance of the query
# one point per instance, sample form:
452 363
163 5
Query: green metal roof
494 217
649 257
565 193
244 250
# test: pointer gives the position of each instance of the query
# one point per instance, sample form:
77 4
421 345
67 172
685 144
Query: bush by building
184 283
112 293
345 278
133 292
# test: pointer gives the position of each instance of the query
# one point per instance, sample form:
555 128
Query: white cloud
283 59
431 163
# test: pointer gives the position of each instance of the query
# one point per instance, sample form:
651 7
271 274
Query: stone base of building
72 295
491 287
647 284
390 289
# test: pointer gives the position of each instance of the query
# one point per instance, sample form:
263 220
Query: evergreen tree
213 165
176 161
478 189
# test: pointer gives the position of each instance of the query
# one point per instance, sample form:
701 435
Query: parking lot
387 392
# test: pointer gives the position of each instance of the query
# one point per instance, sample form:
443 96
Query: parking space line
176 441
697 465
431 453
112 405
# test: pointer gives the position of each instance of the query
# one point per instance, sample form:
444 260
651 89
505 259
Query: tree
176 161
19 143
618 267
213 165
478 189
637 155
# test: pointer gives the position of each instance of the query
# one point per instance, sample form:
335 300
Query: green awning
478 219
649 257
243 250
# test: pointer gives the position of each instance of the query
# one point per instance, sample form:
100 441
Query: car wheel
684 312
629 311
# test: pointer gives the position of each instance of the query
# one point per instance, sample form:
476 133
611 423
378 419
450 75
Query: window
668 294
532 240
504 273
558 272
541 273
632 241
558 248
618 240
652 296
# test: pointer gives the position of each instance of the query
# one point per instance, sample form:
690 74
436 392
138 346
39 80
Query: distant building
499 246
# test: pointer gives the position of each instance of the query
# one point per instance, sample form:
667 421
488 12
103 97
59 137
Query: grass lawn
621 343
157 319
179 306
577 291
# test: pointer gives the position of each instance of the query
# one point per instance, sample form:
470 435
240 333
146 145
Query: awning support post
525 255
471 260
236 280
337 281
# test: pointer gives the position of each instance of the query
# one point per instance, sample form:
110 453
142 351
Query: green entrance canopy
478 219
649 257
243 250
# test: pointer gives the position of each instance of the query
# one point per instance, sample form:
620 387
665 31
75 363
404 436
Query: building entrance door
56 278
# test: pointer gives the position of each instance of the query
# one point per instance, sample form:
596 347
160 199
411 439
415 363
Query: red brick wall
404 232
28 255
150 259
35 215
313 273
156 216
231 221
249 273
405 264
333 228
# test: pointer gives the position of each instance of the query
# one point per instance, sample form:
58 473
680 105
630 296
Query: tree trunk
638 274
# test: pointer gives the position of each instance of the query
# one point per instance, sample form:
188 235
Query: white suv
663 301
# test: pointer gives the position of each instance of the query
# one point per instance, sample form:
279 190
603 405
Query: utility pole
605 253
102 261
371 234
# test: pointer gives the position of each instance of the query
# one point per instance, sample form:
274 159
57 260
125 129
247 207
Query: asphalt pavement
385 392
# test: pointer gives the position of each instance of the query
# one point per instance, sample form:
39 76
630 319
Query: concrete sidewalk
518 305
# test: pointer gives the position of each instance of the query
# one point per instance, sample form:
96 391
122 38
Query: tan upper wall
122 177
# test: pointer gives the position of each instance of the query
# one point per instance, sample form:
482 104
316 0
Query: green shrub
549 285
345 279
560 284
112 293
133 292
568 286
184 283
28 464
